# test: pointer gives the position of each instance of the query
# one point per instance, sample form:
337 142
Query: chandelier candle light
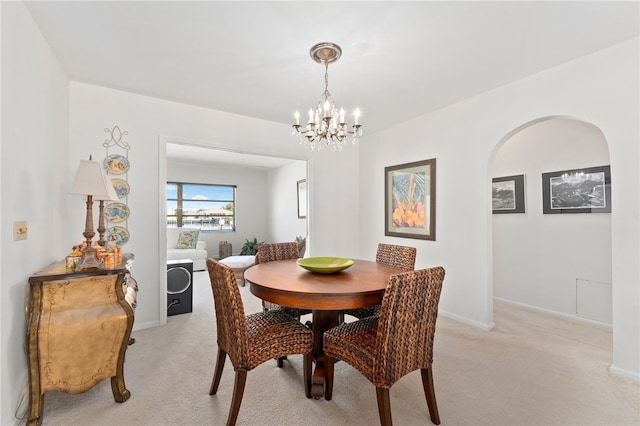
326 125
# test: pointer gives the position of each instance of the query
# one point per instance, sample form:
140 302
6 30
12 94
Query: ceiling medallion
326 125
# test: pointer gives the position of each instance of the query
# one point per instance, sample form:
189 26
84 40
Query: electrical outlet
20 230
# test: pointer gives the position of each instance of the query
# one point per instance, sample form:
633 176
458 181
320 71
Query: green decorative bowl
325 265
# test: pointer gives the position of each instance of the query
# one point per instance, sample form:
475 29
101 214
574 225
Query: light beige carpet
532 369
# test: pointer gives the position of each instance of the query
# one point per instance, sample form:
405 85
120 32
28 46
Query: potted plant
250 247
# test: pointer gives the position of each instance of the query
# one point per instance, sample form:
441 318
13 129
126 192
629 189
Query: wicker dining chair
251 340
400 340
402 257
270 252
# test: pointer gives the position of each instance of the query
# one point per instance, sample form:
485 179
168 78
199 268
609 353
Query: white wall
282 208
601 89
35 178
537 258
334 213
251 199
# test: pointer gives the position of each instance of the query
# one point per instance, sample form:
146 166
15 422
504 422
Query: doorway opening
557 263
265 205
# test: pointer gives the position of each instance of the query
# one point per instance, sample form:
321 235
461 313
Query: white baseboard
465 320
555 313
142 326
631 375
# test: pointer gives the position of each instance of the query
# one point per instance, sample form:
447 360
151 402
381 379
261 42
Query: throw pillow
188 239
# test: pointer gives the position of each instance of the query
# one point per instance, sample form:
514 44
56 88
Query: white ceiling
400 59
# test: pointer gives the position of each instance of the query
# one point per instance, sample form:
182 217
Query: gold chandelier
326 125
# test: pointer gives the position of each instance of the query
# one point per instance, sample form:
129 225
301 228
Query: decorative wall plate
116 212
116 164
121 186
118 235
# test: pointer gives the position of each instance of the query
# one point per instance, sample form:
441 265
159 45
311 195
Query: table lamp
90 181
112 196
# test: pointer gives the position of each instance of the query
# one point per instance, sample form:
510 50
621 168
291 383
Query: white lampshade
112 195
89 180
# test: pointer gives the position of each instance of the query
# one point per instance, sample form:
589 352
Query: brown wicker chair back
251 340
400 340
407 324
399 256
402 257
270 252
230 318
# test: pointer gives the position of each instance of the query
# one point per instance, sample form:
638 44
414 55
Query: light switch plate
20 230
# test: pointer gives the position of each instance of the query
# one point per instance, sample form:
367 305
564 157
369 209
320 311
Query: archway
554 263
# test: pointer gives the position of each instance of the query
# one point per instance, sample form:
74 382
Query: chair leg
307 365
430 394
384 406
222 355
238 390
328 377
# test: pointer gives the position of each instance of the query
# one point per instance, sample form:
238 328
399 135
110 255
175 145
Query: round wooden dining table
286 283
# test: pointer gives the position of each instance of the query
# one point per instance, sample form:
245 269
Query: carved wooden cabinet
78 329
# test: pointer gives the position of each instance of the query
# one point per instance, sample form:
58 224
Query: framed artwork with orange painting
410 200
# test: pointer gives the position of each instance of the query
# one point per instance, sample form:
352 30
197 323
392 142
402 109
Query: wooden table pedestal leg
322 321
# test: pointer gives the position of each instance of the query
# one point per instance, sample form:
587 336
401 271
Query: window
208 207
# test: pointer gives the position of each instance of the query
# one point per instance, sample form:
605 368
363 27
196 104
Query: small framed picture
586 190
410 200
302 198
507 194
